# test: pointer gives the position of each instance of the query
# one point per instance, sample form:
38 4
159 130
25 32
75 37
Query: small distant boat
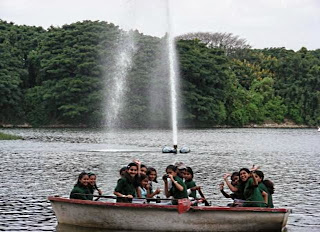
159 217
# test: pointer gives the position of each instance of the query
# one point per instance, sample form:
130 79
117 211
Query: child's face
92 180
171 172
122 173
143 170
187 176
133 170
152 175
144 182
235 180
257 177
244 176
182 172
84 180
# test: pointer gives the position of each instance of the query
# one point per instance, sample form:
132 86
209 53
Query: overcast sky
263 23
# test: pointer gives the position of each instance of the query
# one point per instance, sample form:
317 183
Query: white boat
157 217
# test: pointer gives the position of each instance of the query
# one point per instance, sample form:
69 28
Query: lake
48 161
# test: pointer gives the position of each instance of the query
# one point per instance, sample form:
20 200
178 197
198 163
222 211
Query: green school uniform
240 193
175 193
78 190
125 187
190 184
253 193
262 187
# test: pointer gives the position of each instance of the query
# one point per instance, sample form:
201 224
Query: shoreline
286 125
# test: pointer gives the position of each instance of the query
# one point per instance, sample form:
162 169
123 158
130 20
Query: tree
228 42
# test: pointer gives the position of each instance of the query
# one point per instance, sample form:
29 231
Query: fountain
172 55
117 82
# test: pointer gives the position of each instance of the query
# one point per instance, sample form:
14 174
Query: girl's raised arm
230 186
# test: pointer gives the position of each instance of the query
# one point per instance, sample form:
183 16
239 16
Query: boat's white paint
152 217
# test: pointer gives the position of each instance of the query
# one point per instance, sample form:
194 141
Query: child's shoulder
190 184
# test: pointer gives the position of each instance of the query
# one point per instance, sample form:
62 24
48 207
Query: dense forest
62 76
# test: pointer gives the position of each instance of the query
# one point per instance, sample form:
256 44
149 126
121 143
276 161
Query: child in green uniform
92 184
126 186
252 193
266 186
190 184
178 189
238 187
81 190
234 182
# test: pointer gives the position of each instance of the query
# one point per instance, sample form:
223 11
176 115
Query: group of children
85 187
249 189
137 182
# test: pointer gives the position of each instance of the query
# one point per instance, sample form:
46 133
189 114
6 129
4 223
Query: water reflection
48 161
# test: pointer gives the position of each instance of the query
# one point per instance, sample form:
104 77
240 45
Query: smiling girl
81 190
92 184
126 186
152 176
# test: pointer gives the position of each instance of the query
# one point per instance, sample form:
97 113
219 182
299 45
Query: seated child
92 185
126 186
178 189
81 190
152 175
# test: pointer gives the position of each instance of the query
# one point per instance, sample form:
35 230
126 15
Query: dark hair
260 174
244 169
143 166
95 185
129 178
172 167
234 174
131 165
152 170
269 185
142 177
81 175
188 169
122 169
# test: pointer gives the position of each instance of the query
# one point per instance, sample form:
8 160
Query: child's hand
129 196
221 185
165 177
254 168
138 162
225 176
157 191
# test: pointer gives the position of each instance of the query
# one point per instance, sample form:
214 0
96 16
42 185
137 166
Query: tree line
61 76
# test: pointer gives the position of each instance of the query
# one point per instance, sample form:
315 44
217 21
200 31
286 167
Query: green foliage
62 75
204 73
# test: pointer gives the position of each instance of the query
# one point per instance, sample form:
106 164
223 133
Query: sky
263 23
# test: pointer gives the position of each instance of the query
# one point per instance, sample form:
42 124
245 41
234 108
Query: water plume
173 76
117 82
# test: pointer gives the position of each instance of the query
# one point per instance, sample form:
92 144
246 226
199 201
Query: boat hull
153 217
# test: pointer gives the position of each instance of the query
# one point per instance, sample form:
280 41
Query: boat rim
139 205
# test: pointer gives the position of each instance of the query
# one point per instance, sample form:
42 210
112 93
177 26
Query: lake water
48 161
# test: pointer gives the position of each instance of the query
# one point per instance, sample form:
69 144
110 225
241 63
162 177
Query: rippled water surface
48 161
